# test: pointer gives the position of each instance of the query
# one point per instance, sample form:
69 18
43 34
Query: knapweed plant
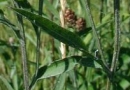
64 45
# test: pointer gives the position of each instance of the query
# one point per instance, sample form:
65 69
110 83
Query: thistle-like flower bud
80 24
70 17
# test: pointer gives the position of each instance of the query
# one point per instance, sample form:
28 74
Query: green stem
116 43
117 35
23 49
24 53
38 34
98 42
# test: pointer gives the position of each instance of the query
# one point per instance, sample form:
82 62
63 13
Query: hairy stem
22 41
117 35
98 42
116 42
24 53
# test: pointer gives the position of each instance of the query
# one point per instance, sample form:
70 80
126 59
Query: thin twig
38 34
98 42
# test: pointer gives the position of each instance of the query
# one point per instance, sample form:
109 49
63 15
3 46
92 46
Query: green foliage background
80 78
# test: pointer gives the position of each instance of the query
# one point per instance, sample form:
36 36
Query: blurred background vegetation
11 76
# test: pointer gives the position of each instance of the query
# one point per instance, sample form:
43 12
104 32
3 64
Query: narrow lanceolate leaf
4 84
84 32
54 30
52 9
58 67
55 68
64 65
5 21
60 82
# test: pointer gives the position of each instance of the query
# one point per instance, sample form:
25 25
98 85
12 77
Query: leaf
62 66
124 84
5 21
103 24
55 68
23 4
54 30
90 62
5 83
3 2
73 78
3 43
52 9
84 31
60 82
58 67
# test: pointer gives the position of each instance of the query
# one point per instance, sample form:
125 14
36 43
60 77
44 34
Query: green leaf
3 2
124 84
84 31
23 4
4 84
1 13
60 82
5 21
73 78
52 9
90 62
55 68
64 65
58 67
54 30
3 43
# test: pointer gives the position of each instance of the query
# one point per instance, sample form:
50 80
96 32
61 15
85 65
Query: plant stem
38 34
98 42
22 41
116 40
63 46
101 10
24 53
117 35
108 84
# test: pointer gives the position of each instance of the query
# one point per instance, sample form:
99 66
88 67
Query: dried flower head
70 17
80 24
